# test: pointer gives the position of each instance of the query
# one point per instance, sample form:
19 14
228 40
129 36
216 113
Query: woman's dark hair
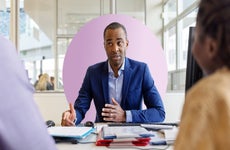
213 19
115 25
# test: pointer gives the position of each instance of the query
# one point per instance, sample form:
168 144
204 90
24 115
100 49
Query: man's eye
109 43
120 43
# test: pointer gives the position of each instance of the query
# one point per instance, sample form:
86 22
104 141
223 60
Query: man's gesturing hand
68 116
113 112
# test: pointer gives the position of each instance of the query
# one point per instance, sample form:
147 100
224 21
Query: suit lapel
104 80
126 81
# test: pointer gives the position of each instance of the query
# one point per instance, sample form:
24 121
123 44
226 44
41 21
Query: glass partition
73 14
45 28
170 11
5 18
178 16
35 40
62 45
183 26
136 8
170 48
184 4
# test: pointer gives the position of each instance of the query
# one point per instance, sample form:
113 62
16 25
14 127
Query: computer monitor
193 71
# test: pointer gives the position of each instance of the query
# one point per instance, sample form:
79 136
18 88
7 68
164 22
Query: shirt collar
122 67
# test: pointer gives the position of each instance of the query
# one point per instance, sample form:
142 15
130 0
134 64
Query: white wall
52 105
173 103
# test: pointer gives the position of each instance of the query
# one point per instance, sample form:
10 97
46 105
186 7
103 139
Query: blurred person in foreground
21 125
205 120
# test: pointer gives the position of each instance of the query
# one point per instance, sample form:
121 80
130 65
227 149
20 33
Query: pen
162 142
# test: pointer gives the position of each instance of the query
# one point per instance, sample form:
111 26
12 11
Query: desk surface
92 146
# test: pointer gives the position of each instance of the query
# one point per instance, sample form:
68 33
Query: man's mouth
116 57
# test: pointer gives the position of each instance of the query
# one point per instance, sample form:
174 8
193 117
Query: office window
5 18
170 11
170 48
35 40
137 9
62 46
73 14
184 4
178 16
183 27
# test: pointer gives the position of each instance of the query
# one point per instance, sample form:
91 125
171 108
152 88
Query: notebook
70 132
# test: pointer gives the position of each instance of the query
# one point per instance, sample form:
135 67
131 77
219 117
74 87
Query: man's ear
104 44
212 48
127 43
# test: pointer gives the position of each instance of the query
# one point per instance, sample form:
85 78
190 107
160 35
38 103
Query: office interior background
42 30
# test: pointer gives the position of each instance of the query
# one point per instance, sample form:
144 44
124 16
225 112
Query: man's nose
115 48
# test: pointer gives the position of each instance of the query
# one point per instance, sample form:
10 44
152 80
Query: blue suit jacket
137 85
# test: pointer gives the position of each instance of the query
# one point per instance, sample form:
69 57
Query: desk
92 146
69 146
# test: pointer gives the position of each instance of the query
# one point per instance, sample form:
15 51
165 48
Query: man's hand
113 112
68 117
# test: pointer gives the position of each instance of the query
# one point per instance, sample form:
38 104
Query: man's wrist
128 116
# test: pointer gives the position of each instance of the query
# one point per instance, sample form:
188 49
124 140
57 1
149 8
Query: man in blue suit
117 86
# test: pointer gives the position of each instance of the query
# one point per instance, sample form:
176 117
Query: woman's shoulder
211 87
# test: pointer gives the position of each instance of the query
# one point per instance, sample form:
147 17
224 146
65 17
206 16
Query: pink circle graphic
87 49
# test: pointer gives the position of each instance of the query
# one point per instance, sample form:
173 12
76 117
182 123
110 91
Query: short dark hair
115 25
213 19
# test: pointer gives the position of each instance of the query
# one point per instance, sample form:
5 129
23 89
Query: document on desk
125 132
170 135
167 138
70 132
156 126
124 141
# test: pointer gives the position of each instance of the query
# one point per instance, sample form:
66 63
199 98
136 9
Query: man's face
115 43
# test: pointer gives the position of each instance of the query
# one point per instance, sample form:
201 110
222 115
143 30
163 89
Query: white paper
75 132
156 126
125 132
